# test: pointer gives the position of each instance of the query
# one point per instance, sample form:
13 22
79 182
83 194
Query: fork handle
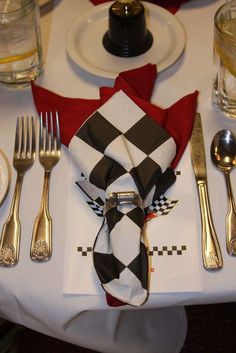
41 244
10 238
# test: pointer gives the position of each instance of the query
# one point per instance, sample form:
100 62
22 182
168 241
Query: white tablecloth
32 294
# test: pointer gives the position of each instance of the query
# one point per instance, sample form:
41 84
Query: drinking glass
224 85
20 42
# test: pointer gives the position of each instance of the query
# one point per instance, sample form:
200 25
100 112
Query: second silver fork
49 155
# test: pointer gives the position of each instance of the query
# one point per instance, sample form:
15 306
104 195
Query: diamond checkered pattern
120 148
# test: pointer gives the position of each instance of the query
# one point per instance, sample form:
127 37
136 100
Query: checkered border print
153 251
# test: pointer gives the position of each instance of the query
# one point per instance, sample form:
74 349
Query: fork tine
46 144
58 138
30 137
51 133
33 143
17 137
23 137
41 133
28 132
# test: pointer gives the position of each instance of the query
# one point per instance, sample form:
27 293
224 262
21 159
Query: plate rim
83 18
7 169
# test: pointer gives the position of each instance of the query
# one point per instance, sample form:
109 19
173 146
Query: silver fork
23 159
49 155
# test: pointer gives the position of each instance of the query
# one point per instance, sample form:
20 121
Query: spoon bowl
223 155
223 150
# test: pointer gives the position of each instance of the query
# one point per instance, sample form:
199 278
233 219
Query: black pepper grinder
127 34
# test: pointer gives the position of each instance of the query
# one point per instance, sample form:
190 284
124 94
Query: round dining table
37 295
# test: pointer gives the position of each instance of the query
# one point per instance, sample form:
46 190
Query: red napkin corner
170 5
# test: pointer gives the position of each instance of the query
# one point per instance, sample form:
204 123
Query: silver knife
211 253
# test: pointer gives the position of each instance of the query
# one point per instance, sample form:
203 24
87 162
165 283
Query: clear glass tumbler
224 86
20 42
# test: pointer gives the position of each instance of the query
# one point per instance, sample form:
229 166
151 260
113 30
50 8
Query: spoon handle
230 219
211 253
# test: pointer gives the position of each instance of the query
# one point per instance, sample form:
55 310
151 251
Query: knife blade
211 253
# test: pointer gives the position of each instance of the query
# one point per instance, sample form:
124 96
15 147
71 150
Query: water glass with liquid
224 86
20 42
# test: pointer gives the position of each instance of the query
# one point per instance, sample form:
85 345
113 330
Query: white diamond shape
125 238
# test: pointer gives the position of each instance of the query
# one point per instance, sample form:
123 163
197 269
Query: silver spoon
223 155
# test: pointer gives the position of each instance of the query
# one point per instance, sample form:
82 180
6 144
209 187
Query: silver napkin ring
122 198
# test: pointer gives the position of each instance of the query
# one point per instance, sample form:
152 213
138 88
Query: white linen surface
32 294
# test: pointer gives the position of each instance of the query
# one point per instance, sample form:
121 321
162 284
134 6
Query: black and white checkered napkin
125 156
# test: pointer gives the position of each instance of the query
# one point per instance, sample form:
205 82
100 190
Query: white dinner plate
84 41
5 176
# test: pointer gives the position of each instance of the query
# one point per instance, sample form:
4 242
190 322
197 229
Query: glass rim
17 11
228 36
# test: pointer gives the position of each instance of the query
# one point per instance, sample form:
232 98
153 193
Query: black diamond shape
145 175
108 267
163 182
147 135
105 172
139 266
137 216
98 132
113 216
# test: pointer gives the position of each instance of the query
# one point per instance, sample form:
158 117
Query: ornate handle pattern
10 238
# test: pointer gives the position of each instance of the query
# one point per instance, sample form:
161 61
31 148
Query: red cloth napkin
138 85
170 5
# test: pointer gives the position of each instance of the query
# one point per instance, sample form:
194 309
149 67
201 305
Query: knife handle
211 252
